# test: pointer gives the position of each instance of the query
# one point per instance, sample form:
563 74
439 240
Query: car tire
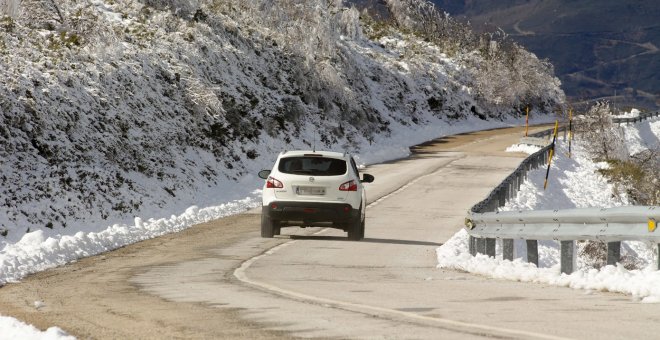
362 229
277 229
267 229
356 229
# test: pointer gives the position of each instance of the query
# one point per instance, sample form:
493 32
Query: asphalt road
221 280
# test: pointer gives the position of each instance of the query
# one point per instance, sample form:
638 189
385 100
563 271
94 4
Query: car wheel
355 229
267 229
277 228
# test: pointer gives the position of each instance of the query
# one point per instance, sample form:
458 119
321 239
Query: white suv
314 188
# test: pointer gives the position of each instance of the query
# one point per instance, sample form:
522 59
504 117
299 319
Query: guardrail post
613 253
490 247
567 256
492 205
501 196
507 249
481 246
533 251
472 245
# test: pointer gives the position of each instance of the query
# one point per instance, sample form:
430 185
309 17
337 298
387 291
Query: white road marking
240 274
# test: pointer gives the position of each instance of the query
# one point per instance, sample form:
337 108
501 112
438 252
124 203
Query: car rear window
314 166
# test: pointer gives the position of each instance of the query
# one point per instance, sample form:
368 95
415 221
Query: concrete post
613 253
533 252
567 256
507 249
490 247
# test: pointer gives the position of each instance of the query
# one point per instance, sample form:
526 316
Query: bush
637 177
594 254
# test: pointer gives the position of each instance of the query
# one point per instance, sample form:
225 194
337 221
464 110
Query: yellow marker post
552 152
527 121
570 130
652 225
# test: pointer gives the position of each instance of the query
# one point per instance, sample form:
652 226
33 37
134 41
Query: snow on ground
14 329
631 114
524 148
641 136
574 183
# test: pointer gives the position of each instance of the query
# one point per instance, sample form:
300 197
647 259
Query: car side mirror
264 174
366 178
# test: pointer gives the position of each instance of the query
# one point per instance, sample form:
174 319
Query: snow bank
36 251
641 284
631 114
642 136
574 183
14 329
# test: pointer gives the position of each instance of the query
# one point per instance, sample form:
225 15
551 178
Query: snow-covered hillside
111 109
641 136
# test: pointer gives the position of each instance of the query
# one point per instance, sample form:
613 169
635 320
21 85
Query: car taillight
273 183
348 186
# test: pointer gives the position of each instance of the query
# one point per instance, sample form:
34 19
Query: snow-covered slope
574 183
641 136
111 109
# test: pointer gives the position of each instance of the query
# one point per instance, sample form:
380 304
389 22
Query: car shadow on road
368 239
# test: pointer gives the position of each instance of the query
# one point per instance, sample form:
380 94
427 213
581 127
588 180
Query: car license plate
311 191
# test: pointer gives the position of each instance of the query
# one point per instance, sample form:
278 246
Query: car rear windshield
314 166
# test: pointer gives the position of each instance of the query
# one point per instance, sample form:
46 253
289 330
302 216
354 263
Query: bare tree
602 138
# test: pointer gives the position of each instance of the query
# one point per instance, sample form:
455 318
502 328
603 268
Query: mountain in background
599 47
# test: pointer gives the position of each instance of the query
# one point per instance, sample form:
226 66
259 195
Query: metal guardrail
485 225
641 117
510 186
613 225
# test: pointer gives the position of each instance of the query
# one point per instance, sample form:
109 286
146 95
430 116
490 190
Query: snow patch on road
14 329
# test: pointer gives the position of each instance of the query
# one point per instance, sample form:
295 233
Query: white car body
314 188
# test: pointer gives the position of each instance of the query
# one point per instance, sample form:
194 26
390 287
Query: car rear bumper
307 213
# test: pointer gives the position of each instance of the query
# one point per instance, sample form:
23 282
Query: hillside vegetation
112 108
600 48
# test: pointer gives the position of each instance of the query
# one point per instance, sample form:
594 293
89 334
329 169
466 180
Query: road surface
221 280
